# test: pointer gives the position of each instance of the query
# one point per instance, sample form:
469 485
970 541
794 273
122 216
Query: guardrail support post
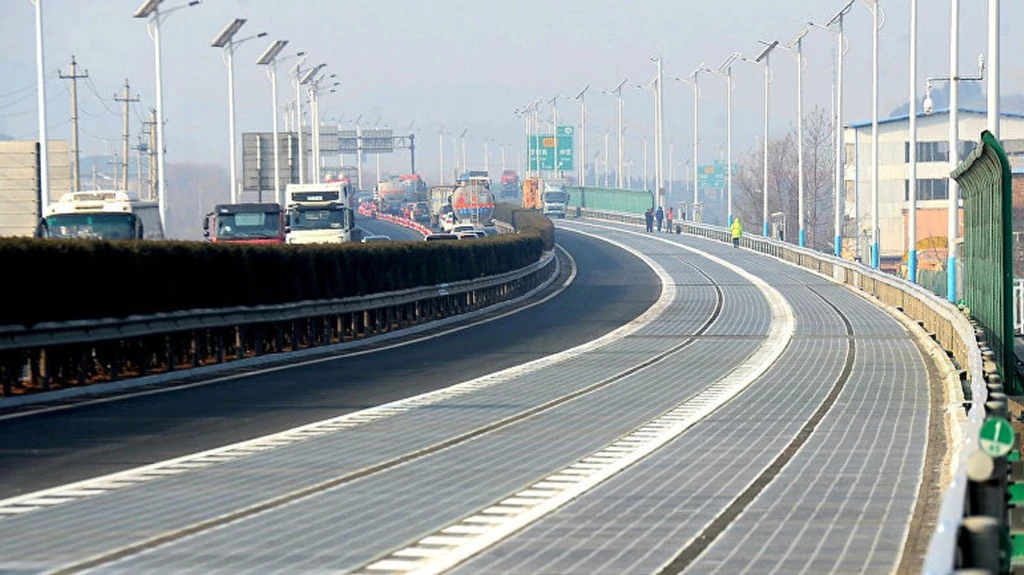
979 544
45 369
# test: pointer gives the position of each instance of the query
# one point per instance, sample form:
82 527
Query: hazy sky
468 63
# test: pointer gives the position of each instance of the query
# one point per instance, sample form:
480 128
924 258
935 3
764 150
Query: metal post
912 213
856 195
646 181
606 175
993 66
696 139
875 255
554 120
44 154
767 110
659 163
840 136
277 142
954 146
618 175
800 138
298 115
231 119
440 155
728 147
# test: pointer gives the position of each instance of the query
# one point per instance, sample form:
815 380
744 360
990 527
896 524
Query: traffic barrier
56 355
405 223
974 516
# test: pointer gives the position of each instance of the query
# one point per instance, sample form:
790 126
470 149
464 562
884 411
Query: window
928 190
928 152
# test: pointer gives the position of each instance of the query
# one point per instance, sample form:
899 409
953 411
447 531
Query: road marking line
684 415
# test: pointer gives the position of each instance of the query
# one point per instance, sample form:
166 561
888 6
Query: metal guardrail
1018 306
949 326
53 355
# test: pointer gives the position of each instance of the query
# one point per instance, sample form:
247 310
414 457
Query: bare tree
819 176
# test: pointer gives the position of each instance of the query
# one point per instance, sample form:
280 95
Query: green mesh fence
612 200
984 178
933 280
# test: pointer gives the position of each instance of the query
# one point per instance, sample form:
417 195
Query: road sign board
542 150
715 176
996 437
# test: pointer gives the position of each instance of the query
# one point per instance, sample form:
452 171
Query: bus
102 214
319 213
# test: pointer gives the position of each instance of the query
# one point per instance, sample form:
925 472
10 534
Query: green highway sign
996 437
542 150
714 177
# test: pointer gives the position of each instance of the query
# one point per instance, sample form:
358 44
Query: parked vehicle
102 214
245 224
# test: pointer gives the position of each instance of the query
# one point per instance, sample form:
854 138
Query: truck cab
319 213
555 199
245 224
103 215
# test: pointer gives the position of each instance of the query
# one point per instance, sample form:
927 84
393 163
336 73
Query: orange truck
531 194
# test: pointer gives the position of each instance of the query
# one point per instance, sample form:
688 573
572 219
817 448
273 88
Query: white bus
102 214
319 213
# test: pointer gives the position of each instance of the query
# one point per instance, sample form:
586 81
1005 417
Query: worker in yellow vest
737 232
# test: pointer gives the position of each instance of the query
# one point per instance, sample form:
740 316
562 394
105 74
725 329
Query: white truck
319 213
554 199
102 214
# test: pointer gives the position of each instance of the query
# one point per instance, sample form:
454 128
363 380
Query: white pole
606 175
583 139
993 67
728 147
161 178
503 164
440 155
912 232
646 181
696 140
767 110
875 255
618 175
554 120
277 145
800 138
298 114
231 120
44 154
954 146
839 207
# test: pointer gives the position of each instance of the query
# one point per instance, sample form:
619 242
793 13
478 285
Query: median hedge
60 280
526 220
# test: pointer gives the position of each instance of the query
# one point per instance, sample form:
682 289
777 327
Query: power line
95 92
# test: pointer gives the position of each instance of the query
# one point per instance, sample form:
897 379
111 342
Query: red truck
245 224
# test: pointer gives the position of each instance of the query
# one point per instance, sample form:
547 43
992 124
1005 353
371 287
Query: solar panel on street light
146 9
228 33
310 73
764 53
272 52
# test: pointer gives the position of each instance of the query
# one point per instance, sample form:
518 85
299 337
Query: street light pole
764 60
269 59
953 220
912 215
875 255
796 45
618 93
440 153
44 155
993 64
659 161
583 135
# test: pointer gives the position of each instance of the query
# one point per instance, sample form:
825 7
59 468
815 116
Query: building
894 172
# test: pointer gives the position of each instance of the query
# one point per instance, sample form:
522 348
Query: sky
448 65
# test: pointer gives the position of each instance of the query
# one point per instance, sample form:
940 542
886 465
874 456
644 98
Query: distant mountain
192 192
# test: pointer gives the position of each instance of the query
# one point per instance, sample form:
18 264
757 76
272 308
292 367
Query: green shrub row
60 280
527 220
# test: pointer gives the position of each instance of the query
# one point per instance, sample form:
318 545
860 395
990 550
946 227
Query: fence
610 199
984 178
965 536
1018 306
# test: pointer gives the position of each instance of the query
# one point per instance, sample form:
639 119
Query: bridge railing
82 357
952 545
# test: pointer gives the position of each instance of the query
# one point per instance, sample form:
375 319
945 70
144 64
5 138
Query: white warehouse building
894 172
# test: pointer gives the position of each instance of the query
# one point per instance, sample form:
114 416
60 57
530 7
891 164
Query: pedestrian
660 216
737 232
668 220
649 218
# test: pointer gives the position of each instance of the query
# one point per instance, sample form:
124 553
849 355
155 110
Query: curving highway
682 407
373 226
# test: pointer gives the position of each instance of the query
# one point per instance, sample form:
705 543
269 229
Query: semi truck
318 213
509 185
101 214
245 224
472 201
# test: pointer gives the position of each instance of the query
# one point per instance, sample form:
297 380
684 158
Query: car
466 235
447 222
460 228
370 239
440 237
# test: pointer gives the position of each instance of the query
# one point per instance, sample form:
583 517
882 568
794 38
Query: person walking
737 232
668 220
660 216
649 218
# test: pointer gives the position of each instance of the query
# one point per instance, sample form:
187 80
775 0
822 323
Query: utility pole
152 153
127 99
74 76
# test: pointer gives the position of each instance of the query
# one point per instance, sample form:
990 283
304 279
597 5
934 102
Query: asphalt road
381 228
46 450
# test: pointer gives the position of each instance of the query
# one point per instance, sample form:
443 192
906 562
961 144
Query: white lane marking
135 476
325 349
653 435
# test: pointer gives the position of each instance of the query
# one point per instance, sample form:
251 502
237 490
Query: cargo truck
245 224
472 202
555 200
319 213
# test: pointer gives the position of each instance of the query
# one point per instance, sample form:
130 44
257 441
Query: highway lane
37 452
369 491
377 227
